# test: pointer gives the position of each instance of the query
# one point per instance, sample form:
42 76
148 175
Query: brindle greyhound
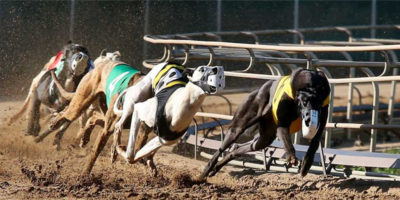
277 107
98 85
74 63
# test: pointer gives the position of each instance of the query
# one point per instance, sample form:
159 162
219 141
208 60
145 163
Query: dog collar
57 61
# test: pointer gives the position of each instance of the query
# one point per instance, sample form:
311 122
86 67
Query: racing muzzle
310 123
79 63
212 79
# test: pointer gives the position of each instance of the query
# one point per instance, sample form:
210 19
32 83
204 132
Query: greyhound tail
63 93
115 108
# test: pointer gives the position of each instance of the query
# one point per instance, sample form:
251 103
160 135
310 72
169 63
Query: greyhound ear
102 52
296 72
117 54
321 74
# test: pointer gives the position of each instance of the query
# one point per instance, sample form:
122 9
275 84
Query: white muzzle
312 128
210 78
76 65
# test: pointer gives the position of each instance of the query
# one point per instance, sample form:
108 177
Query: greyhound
101 84
94 115
169 112
70 65
279 107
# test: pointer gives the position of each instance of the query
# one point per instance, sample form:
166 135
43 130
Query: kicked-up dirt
37 171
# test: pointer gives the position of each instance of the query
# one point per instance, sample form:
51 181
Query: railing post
196 141
393 88
349 112
375 110
392 95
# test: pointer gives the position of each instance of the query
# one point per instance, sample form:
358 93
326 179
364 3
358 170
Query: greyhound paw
212 173
83 142
154 172
291 160
37 139
153 168
130 160
203 176
114 154
122 151
118 127
57 147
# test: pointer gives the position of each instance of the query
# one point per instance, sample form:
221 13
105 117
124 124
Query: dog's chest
284 108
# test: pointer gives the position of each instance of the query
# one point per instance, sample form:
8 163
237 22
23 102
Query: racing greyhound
94 115
69 66
279 107
176 100
106 80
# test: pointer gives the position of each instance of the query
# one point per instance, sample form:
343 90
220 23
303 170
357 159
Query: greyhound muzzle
310 124
212 79
80 61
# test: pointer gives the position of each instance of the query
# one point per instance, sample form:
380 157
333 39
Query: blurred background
33 31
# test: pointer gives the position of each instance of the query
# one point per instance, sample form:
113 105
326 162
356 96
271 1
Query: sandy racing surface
33 171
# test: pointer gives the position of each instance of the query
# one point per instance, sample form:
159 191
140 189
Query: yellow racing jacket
284 87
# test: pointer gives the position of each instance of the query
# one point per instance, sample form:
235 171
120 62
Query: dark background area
31 32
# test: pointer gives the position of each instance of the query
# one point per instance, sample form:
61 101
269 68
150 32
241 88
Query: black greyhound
74 63
279 107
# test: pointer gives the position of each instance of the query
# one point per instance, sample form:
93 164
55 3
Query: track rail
305 48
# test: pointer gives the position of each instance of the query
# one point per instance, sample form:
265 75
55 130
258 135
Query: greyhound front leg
127 109
129 154
137 93
283 134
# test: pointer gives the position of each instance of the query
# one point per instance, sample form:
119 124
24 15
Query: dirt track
29 170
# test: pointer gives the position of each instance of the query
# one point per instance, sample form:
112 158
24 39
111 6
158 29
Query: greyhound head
210 79
77 59
312 95
69 67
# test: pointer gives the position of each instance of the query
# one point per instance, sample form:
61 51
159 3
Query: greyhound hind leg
101 141
33 115
59 134
85 132
261 141
53 126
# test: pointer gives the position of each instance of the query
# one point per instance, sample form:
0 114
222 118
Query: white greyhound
170 111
